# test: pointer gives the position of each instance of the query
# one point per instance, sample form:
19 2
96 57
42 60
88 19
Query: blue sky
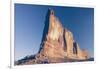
29 24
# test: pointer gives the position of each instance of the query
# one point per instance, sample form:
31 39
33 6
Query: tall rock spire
58 44
57 39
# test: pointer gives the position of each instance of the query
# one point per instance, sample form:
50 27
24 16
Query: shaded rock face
58 44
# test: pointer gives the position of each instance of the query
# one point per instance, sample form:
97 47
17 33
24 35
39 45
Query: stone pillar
69 43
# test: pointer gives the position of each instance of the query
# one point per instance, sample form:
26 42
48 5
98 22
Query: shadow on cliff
45 30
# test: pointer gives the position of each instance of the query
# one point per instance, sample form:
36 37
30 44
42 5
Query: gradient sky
29 24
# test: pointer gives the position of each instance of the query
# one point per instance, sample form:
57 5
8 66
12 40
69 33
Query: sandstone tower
58 44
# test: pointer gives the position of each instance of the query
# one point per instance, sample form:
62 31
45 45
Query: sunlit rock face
53 46
55 28
69 43
59 45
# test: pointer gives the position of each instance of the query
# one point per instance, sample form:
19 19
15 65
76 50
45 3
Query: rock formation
58 44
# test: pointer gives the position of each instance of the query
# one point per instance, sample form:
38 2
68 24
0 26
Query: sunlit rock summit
58 44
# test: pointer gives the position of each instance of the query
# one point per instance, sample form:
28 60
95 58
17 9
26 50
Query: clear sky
29 24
